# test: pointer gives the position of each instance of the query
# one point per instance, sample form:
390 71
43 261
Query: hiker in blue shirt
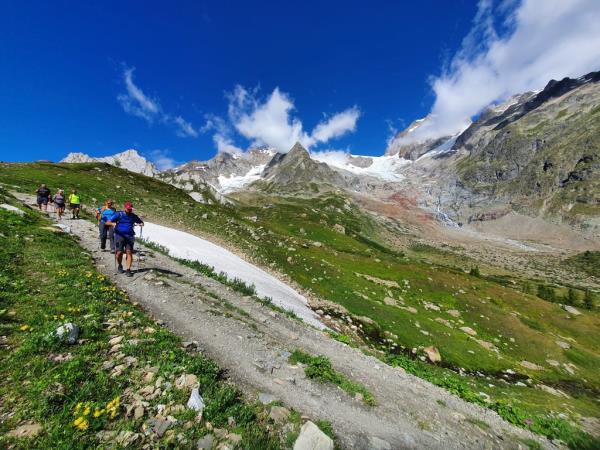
124 221
102 215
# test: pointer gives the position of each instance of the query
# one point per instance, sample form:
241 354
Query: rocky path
251 342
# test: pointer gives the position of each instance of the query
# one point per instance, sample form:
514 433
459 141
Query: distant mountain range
537 152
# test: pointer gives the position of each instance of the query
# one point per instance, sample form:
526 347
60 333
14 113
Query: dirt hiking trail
251 343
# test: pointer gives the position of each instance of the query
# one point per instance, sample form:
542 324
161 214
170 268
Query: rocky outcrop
129 159
224 173
296 171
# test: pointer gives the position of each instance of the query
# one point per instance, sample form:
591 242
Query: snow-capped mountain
387 168
410 149
523 151
129 159
226 172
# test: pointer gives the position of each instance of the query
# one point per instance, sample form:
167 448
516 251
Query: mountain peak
129 153
298 152
296 170
77 157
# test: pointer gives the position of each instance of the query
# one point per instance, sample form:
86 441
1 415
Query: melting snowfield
388 168
237 182
187 246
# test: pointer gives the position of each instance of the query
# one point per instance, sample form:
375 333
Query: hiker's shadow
144 254
159 270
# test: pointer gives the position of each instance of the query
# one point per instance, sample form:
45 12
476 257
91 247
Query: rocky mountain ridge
537 152
128 159
226 172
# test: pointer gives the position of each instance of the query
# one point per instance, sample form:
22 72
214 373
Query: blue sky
178 81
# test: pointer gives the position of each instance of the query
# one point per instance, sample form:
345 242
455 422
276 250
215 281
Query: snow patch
388 168
440 149
184 245
237 182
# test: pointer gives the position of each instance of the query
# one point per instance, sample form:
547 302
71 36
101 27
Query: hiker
75 204
43 197
124 221
59 203
105 213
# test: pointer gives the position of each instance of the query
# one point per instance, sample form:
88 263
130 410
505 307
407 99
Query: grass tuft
320 368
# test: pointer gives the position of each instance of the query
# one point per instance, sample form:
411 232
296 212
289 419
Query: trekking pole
140 252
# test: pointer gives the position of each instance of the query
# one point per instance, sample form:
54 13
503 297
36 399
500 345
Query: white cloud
138 104
162 159
135 102
267 123
225 144
185 128
270 121
392 130
222 136
535 41
337 125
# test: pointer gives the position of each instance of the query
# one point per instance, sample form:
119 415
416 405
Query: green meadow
501 345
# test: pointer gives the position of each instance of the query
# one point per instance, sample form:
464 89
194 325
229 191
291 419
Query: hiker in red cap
124 223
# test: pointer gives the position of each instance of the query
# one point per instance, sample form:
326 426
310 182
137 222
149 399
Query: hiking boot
129 273
120 269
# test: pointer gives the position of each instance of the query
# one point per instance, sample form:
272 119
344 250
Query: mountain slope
83 395
387 301
543 152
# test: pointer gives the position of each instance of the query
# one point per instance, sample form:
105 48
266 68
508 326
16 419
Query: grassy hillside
588 262
96 392
521 355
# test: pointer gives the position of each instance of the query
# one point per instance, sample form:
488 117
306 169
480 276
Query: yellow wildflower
77 421
24 327
83 425
86 411
97 413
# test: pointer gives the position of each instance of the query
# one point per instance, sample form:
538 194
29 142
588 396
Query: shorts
42 200
74 206
59 205
123 243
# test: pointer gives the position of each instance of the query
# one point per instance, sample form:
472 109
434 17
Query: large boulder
12 209
571 310
433 354
69 332
312 438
